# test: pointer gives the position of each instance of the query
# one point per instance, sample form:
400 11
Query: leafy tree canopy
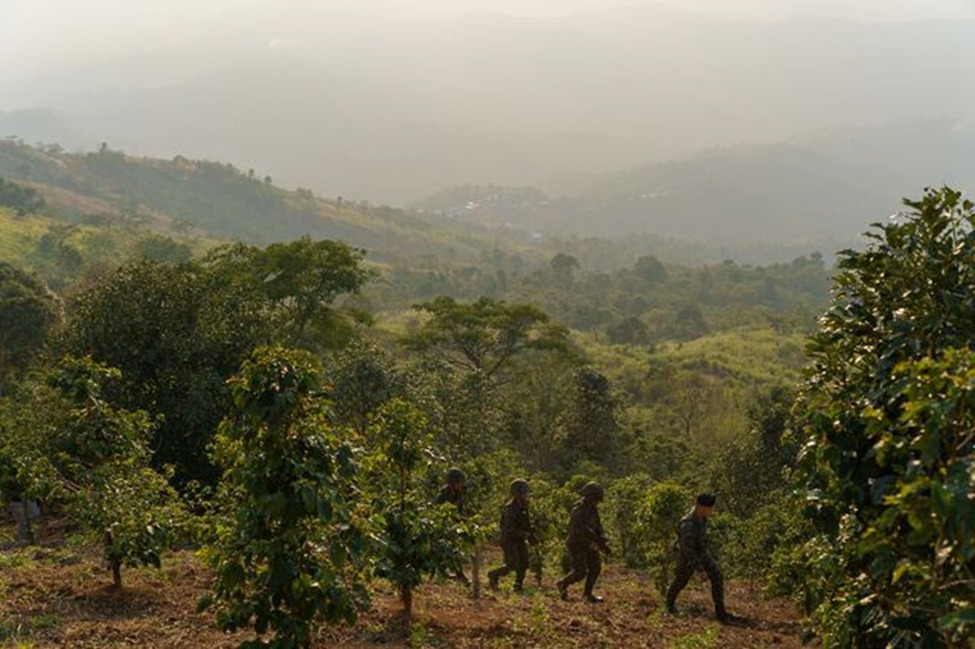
482 336
887 461
28 310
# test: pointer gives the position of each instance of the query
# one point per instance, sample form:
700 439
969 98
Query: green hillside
184 198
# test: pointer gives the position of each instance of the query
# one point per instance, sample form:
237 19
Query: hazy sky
39 35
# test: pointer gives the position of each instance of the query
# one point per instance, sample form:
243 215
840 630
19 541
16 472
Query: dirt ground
58 594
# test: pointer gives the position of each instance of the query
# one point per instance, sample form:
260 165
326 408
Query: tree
563 266
752 469
97 463
650 269
631 330
362 378
28 311
591 418
414 538
300 280
481 341
887 455
658 515
482 337
177 333
291 550
22 199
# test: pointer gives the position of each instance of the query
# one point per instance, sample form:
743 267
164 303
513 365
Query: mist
391 102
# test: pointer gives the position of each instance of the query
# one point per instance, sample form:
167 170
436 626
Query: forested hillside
817 190
264 424
189 199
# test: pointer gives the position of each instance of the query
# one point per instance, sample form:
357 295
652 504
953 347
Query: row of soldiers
586 542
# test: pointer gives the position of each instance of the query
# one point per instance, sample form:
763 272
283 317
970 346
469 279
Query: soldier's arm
690 541
577 525
599 531
507 522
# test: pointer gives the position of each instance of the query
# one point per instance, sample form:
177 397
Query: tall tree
177 333
300 280
887 460
481 341
483 337
590 422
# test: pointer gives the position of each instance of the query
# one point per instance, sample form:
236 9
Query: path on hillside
60 596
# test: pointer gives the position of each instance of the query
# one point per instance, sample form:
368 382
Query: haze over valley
687 121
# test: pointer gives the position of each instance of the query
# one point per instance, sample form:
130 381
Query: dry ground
57 594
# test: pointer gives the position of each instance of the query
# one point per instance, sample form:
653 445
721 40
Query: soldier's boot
494 580
589 597
717 594
672 593
563 590
720 612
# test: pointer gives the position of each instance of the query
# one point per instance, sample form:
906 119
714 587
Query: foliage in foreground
887 462
414 538
290 552
71 448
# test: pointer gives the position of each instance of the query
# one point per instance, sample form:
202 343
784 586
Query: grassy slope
58 594
219 200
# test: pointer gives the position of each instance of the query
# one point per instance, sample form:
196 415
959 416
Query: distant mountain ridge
823 189
393 112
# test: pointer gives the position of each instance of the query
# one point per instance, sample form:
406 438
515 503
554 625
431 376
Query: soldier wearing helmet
517 532
453 493
585 542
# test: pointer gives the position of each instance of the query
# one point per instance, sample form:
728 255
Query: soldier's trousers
586 564
686 570
515 559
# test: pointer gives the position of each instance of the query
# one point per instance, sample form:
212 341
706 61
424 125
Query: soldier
692 555
453 493
585 541
517 532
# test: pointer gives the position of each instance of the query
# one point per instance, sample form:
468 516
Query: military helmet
519 487
592 490
455 475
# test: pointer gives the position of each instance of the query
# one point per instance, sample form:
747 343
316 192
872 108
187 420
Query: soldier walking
585 542
453 493
517 532
693 556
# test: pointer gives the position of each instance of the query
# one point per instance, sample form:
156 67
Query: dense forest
193 358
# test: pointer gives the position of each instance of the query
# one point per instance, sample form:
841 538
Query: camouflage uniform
453 496
586 538
692 555
516 532
456 498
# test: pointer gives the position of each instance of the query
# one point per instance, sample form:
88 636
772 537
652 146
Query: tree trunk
28 529
406 596
476 571
117 573
115 562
